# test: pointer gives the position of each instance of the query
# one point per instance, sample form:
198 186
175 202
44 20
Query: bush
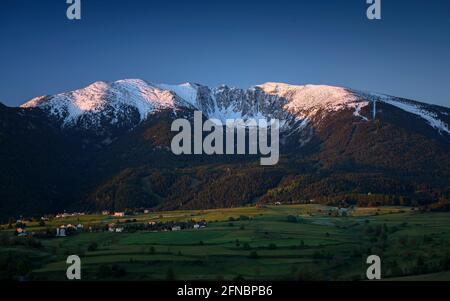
253 255
13 266
34 243
246 246
308 275
103 272
239 278
92 247
170 274
118 271
272 246
292 219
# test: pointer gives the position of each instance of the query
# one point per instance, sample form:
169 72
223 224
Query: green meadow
298 242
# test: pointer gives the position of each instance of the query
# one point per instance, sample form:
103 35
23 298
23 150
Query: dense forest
393 160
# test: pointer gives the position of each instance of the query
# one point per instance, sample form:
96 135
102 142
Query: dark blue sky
240 43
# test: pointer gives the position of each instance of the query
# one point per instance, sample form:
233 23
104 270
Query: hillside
107 146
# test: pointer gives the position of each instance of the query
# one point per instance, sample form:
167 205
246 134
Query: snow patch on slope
417 109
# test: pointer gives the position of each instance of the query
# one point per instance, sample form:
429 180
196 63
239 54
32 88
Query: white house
176 228
119 214
61 232
343 211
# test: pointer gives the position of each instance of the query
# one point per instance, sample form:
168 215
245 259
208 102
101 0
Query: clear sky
240 43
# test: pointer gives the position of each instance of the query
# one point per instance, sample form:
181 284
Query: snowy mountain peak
187 91
102 98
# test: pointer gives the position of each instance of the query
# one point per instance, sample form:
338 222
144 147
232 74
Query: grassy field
244 243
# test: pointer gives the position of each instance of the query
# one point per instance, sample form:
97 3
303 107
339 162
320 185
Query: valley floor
297 242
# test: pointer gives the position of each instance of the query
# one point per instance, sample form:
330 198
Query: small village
125 222
119 224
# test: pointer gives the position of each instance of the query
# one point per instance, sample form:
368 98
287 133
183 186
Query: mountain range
107 146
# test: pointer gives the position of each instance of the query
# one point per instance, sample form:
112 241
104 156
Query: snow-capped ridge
296 106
